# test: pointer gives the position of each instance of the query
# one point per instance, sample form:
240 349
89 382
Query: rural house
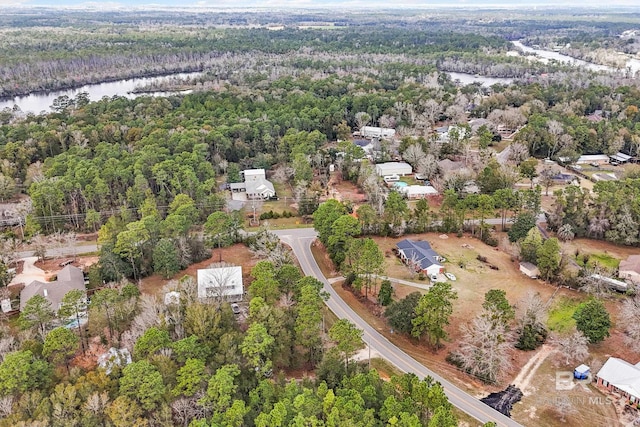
630 268
418 191
255 184
394 168
419 253
620 377
221 283
377 132
69 279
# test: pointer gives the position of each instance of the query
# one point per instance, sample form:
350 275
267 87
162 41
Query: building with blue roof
421 254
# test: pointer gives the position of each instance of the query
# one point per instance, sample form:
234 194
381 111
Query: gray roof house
620 376
69 279
421 253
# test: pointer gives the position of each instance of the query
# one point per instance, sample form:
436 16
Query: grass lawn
561 315
600 259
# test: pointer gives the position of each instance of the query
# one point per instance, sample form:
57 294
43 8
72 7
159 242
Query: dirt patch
523 380
53 265
345 191
590 246
237 254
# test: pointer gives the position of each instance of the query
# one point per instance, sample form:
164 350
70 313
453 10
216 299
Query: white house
260 190
221 283
529 270
620 376
253 175
630 268
377 132
418 191
255 184
394 168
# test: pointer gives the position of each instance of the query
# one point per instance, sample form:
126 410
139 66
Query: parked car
433 277
450 276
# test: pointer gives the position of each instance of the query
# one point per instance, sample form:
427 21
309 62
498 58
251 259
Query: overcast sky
318 3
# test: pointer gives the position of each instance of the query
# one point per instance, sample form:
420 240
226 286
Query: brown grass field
539 406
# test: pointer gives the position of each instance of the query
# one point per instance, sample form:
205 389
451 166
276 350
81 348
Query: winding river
547 55
41 102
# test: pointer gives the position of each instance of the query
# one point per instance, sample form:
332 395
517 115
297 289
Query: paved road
79 249
300 241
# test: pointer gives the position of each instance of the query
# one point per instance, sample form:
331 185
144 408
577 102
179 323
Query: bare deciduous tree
533 311
518 152
217 282
6 406
40 244
428 166
268 245
413 154
485 349
630 319
592 283
186 409
96 403
572 347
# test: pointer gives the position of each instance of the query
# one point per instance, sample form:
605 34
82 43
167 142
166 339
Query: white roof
582 369
390 168
261 186
254 172
220 282
621 374
587 158
414 190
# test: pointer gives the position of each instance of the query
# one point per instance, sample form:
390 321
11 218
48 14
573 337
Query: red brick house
620 377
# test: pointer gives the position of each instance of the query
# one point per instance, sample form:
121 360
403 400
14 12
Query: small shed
581 372
529 270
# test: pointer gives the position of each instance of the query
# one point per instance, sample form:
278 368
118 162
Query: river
39 102
632 63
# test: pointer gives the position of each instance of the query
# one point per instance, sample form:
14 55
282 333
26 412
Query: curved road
300 241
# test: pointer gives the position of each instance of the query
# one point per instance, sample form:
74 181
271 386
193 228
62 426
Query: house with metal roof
620 377
220 283
421 255
69 278
619 158
394 168
377 132
255 184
